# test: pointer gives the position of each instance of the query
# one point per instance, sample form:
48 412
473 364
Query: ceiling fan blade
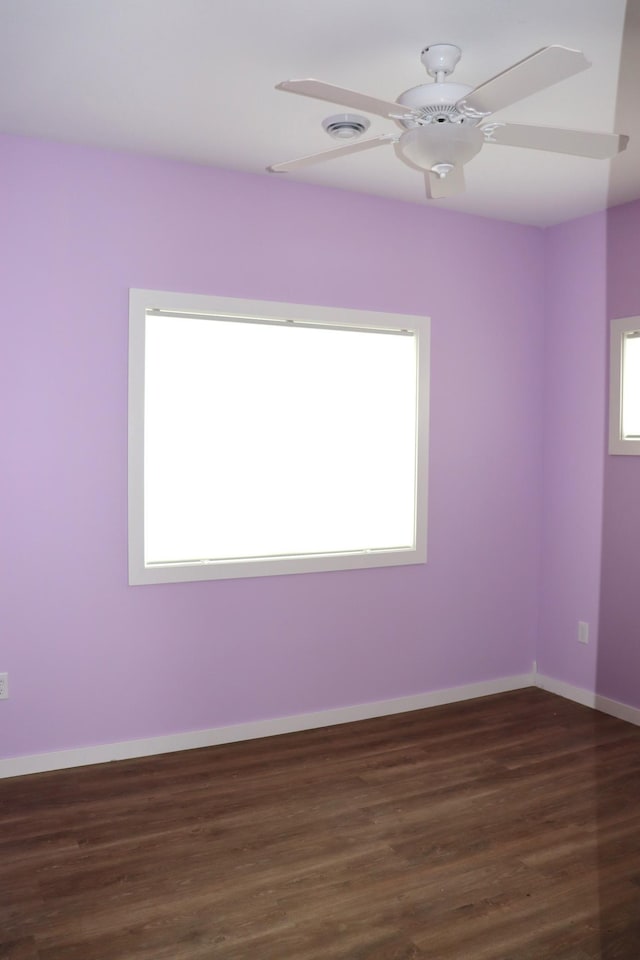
438 188
536 72
348 148
579 143
346 98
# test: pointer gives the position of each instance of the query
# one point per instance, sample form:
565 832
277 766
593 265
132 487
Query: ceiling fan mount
440 59
444 123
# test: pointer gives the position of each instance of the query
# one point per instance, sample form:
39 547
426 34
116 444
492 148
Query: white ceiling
194 79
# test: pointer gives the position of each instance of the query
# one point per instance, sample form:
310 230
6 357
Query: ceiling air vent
345 126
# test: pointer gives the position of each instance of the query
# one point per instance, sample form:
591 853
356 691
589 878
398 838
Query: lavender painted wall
619 650
590 549
574 405
92 660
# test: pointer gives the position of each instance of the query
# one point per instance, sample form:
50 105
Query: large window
624 402
271 438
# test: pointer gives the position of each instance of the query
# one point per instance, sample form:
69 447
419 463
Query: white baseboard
616 709
566 690
589 699
128 749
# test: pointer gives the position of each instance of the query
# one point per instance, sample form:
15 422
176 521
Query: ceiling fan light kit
444 124
426 147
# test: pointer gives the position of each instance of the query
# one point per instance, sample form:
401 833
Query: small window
270 438
624 403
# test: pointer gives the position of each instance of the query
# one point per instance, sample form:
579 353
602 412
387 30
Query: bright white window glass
276 440
631 386
624 377
273 445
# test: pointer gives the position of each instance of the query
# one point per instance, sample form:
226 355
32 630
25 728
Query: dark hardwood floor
506 828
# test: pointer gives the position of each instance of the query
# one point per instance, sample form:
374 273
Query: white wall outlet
583 632
4 686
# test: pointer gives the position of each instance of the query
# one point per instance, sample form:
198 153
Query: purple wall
92 660
574 407
591 509
619 650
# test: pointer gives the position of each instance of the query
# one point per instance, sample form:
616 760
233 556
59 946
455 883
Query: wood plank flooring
506 828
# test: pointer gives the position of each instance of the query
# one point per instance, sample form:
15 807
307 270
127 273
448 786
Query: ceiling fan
445 123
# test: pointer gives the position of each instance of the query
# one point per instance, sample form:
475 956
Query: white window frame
619 444
144 302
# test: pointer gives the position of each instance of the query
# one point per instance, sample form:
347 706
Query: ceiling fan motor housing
435 103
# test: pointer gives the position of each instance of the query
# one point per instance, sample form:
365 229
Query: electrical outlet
4 686
583 632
